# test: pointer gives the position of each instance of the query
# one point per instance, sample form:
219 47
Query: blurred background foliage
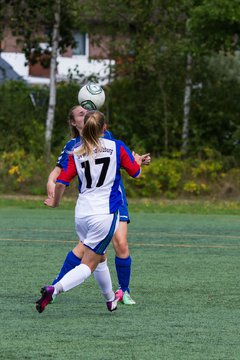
162 51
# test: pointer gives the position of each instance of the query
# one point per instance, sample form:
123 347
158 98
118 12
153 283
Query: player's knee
79 250
121 248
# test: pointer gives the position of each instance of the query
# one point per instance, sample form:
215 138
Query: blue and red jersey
63 161
99 177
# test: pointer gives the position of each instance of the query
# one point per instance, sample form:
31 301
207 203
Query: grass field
185 279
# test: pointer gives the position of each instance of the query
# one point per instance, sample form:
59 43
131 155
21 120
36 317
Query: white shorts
96 231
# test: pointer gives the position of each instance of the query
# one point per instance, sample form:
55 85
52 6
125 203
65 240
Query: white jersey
99 177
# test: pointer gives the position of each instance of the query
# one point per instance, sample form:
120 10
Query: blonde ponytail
94 126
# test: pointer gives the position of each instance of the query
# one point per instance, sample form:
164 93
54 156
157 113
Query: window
81 43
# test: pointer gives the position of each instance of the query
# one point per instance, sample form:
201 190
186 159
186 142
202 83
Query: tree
147 43
151 42
53 71
186 105
212 29
214 26
148 39
41 22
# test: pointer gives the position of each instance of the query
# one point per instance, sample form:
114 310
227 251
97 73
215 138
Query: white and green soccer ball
91 96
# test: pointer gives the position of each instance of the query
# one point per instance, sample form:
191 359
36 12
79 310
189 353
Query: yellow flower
191 187
20 179
14 170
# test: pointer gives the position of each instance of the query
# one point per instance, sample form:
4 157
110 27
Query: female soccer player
97 162
123 259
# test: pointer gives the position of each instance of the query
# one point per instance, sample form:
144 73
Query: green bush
170 178
23 116
23 173
176 177
162 176
21 124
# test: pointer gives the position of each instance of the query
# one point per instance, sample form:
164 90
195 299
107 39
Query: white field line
132 233
131 244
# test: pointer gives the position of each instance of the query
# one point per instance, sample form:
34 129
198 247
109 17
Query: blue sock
70 263
123 268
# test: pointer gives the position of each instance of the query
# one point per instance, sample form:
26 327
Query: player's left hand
137 158
146 159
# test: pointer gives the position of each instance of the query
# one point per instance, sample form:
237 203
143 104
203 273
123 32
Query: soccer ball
91 96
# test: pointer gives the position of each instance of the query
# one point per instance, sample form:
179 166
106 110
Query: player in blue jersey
96 162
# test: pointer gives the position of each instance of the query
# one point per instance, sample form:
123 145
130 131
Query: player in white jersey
97 163
123 259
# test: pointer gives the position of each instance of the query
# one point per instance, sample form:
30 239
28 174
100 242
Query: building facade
85 60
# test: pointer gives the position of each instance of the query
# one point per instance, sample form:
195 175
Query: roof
7 72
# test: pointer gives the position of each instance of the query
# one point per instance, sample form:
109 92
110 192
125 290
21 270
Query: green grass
192 206
185 279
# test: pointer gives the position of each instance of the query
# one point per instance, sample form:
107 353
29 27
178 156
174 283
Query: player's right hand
49 202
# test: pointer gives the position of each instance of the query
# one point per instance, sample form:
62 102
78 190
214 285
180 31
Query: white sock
103 278
57 289
75 277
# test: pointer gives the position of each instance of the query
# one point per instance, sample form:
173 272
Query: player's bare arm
52 181
54 201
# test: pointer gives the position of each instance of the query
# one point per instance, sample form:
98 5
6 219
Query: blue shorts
123 210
